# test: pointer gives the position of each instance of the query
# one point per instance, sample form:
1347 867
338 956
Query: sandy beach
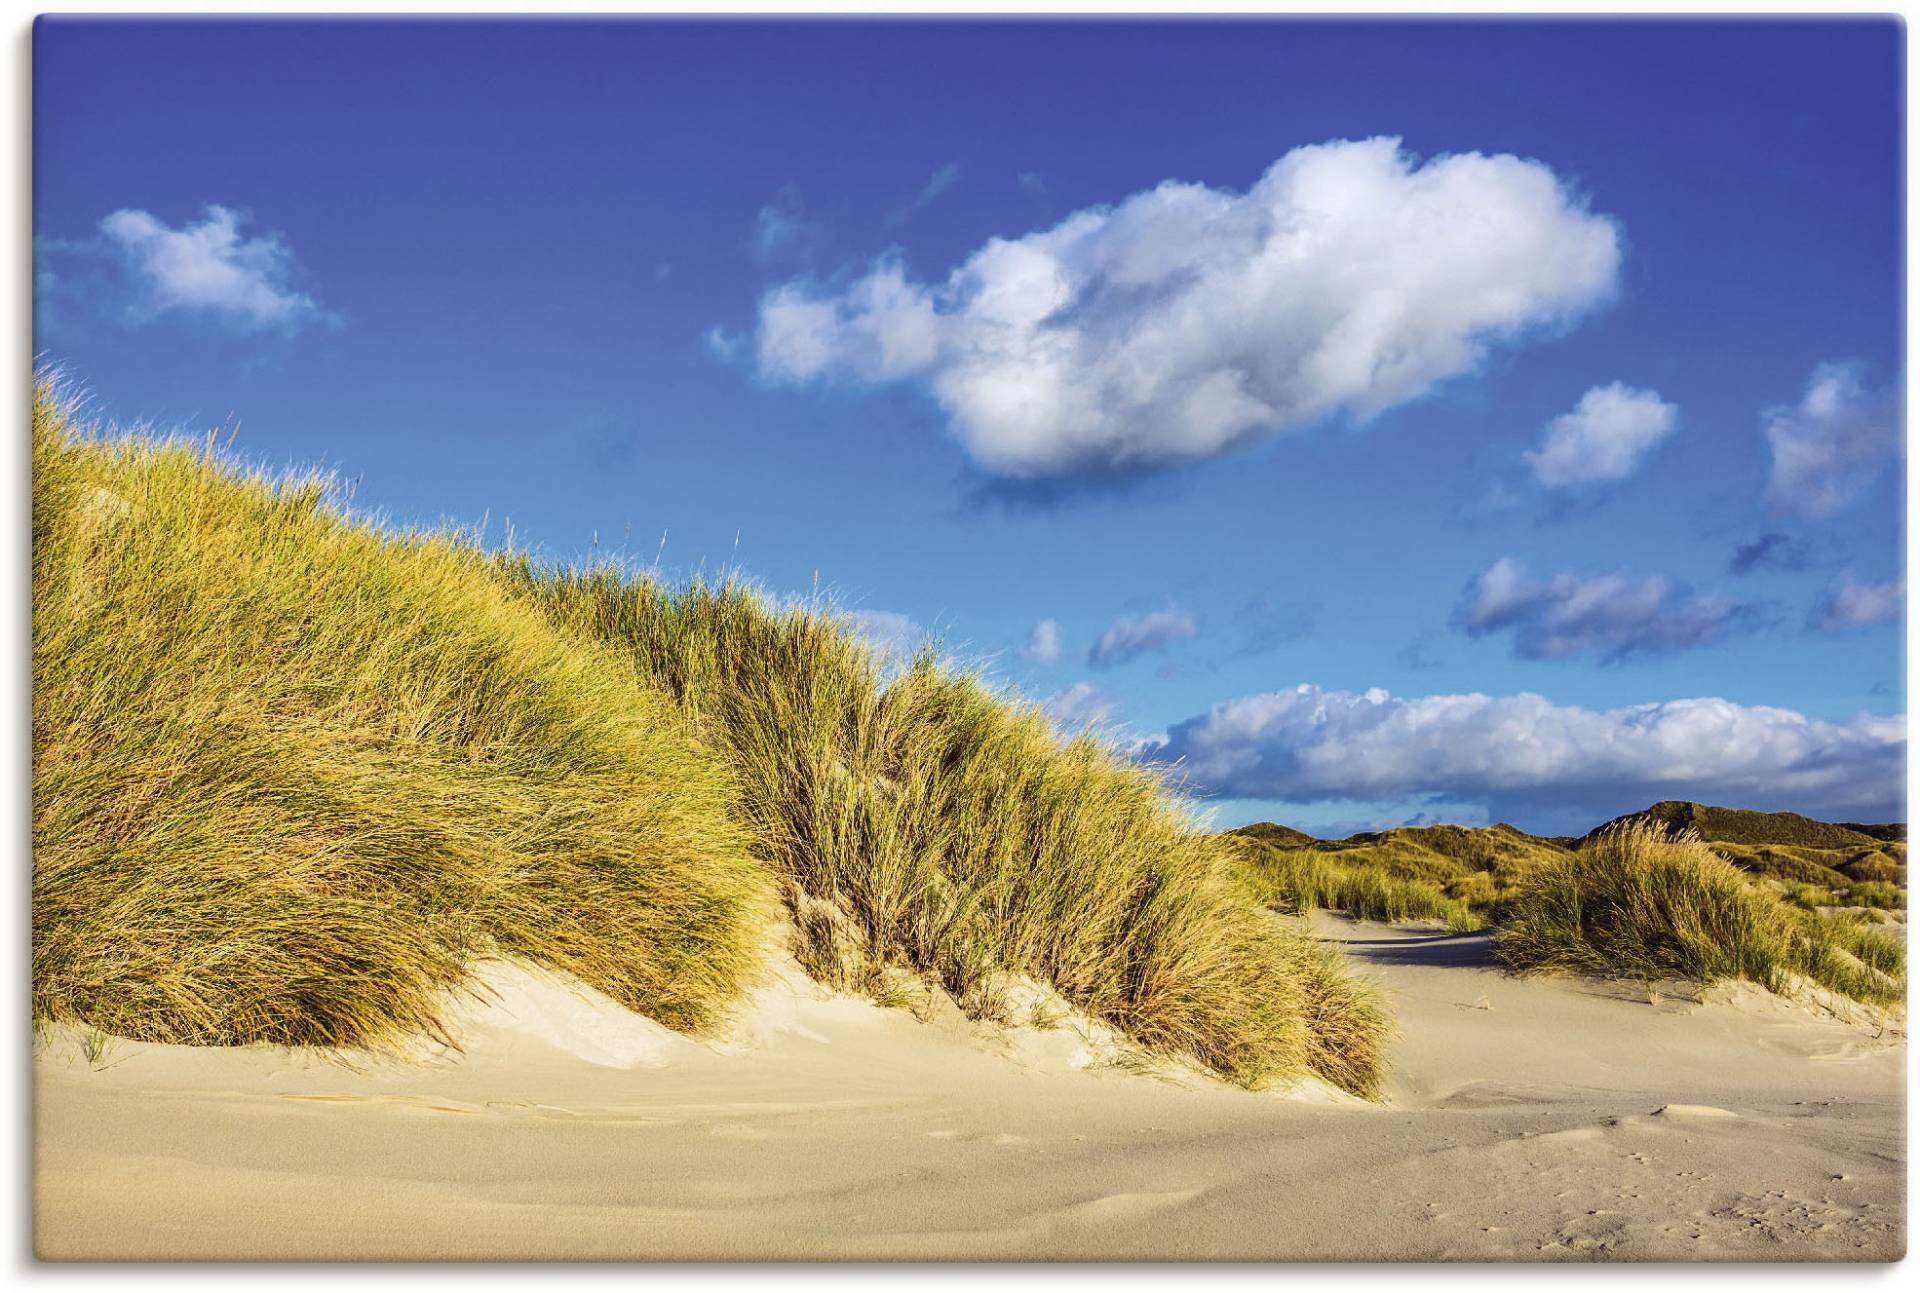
1553 1120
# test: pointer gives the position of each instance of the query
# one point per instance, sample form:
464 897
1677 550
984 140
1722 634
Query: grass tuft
293 775
1639 902
924 822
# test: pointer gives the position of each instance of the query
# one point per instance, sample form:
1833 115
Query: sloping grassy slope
292 775
925 823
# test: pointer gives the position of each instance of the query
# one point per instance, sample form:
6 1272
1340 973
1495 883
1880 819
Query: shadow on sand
1440 949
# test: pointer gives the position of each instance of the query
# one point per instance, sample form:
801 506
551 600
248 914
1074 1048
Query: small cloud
209 268
939 182
1032 185
896 638
1769 552
1134 635
1855 605
1046 644
1828 448
1078 707
1612 617
723 345
1605 438
782 225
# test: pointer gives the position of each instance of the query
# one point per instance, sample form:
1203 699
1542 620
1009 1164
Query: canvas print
962 640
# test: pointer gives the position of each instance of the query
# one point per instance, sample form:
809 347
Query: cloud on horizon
1828 448
210 269
1524 756
1605 438
1185 320
1611 617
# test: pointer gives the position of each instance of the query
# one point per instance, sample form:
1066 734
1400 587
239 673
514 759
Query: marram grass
1638 902
294 774
922 822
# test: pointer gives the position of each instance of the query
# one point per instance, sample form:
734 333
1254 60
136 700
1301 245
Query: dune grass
922 822
293 775
1639 902
1309 880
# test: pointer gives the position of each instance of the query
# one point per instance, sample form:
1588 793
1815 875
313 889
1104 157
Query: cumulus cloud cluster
1830 446
1186 320
1134 635
1855 605
1610 616
1605 438
1522 752
209 268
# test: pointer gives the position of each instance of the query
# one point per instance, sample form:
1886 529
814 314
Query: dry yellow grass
294 773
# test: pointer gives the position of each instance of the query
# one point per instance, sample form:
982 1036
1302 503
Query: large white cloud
1831 445
209 268
1609 616
1185 320
1522 753
1604 438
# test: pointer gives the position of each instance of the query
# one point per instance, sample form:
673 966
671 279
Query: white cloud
1133 635
1045 644
1855 605
1609 616
1526 755
1080 706
893 636
1186 320
1831 445
209 267
1605 437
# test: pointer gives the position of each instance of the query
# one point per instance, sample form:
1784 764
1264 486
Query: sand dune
1527 1119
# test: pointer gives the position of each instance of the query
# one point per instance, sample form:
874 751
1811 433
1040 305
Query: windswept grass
923 823
292 775
1307 880
1638 902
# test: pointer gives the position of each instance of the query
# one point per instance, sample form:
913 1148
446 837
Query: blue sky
1540 464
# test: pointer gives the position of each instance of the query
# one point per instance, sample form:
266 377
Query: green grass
294 774
1638 902
921 821
1304 880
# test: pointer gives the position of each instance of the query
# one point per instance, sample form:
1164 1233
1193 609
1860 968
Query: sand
1527 1119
